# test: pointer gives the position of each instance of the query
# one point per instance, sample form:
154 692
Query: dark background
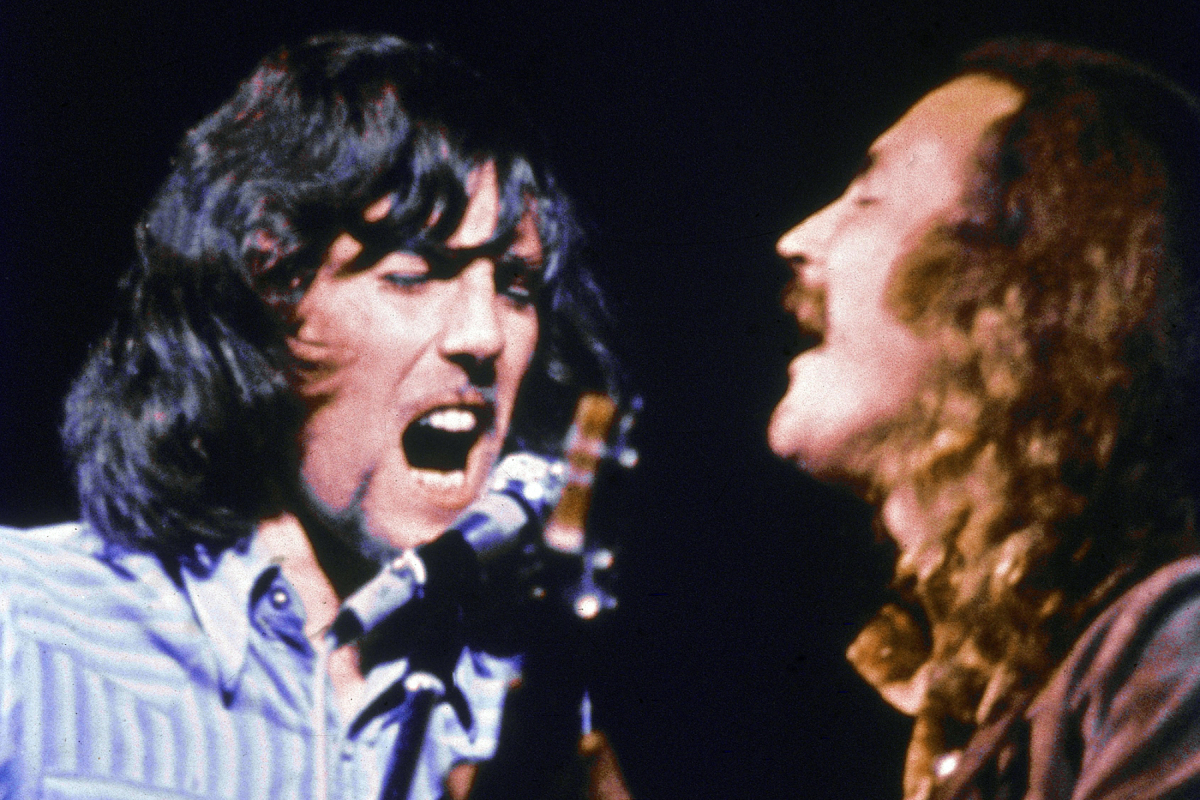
691 137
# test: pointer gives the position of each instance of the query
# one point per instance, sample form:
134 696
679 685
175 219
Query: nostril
481 372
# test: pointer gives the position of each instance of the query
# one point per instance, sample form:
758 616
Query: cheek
858 298
520 341
331 321
357 362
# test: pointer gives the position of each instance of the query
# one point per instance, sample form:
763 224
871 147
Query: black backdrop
692 137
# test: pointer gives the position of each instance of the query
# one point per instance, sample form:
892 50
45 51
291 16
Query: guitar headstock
596 435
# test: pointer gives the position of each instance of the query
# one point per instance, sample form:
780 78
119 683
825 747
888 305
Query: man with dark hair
1005 359
355 290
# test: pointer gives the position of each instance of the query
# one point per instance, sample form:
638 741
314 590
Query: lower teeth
441 480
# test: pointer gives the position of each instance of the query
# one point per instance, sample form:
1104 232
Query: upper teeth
452 419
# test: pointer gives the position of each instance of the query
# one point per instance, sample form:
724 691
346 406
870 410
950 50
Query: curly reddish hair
1051 455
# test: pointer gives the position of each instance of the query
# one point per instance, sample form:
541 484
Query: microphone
524 488
528 525
522 491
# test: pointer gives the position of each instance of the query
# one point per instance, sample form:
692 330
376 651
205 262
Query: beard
341 539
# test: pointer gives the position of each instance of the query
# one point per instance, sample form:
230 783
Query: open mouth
810 317
438 443
807 303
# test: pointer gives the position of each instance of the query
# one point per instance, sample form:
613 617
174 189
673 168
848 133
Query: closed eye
860 190
518 280
515 278
429 265
860 195
415 274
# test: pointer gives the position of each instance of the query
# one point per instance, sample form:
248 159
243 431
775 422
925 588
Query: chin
785 433
410 528
779 442
795 439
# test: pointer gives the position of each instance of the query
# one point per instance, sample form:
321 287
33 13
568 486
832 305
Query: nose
472 336
807 240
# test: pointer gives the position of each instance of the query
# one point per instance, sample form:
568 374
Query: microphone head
523 489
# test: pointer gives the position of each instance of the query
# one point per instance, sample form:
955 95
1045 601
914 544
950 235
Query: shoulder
1154 624
35 558
35 555
1122 712
62 573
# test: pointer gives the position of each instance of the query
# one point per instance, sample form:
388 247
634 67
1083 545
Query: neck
287 544
303 559
905 519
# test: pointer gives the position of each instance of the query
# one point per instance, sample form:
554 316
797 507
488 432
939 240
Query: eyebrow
451 260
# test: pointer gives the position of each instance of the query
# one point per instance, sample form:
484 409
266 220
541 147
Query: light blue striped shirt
117 682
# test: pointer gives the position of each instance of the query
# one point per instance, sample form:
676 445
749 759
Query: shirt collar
221 591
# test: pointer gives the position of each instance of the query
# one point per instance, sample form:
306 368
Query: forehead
483 208
932 147
479 221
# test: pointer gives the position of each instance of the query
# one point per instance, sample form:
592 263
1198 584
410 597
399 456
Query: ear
315 370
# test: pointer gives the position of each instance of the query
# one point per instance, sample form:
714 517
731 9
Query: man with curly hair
1005 360
356 288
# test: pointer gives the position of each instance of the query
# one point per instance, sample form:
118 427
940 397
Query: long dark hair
182 426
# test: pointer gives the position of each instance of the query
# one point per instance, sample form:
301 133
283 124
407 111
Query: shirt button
280 599
945 765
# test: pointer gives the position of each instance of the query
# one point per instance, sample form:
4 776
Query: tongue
427 447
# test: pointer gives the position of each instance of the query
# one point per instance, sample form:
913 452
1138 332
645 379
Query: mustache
807 303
